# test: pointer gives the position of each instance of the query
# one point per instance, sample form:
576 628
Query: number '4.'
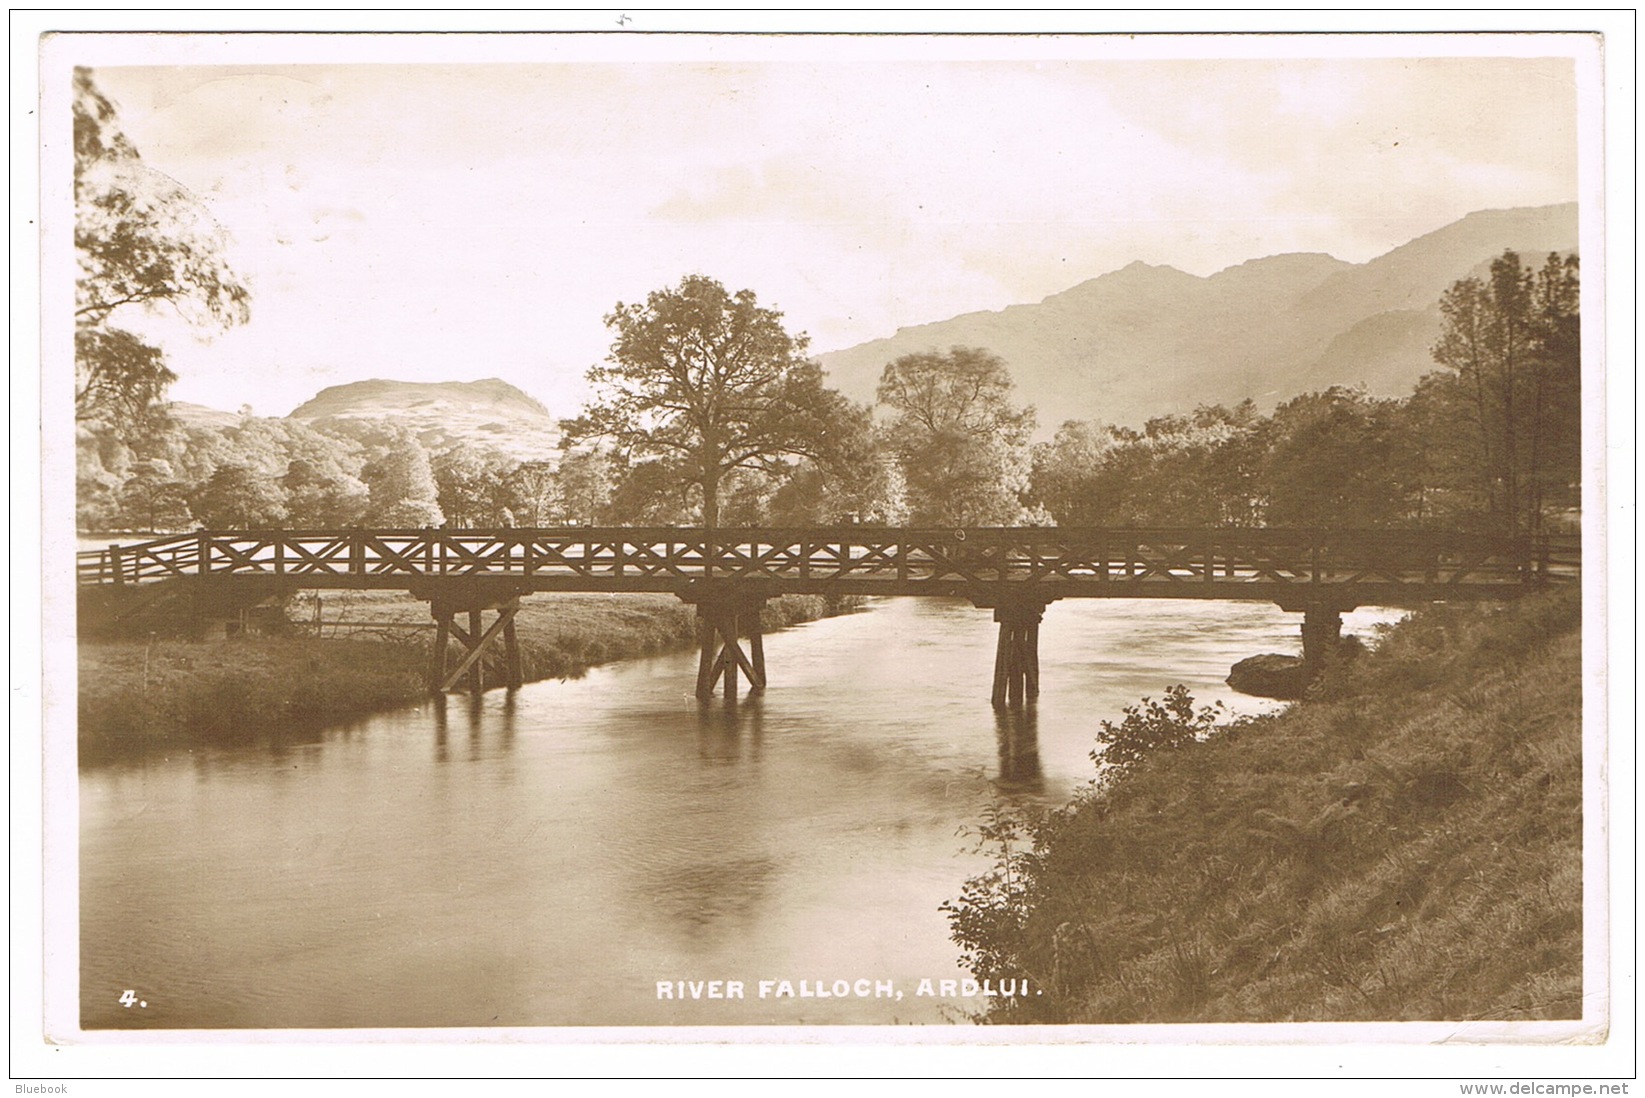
128 998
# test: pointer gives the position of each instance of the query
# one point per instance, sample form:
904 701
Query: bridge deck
1344 567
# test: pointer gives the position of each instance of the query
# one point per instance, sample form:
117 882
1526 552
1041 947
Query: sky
437 221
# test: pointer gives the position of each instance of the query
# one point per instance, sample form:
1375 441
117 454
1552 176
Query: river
547 859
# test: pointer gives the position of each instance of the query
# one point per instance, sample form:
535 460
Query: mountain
201 417
1145 340
490 413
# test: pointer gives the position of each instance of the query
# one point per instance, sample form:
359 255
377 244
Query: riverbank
350 655
1404 844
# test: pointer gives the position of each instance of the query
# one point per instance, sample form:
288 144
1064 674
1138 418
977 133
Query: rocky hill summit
489 413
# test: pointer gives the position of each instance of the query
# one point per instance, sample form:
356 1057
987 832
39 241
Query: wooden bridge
729 573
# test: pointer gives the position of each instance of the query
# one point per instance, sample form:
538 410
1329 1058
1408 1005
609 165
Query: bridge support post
1321 636
477 667
1017 657
475 641
512 667
442 641
722 620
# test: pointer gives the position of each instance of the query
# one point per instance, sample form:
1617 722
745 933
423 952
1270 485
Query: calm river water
546 860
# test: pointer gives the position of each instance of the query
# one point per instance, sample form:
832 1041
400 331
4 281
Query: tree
652 493
142 241
96 483
1065 471
402 486
1340 459
320 496
533 492
472 485
239 498
152 498
962 447
116 376
1444 439
710 383
586 480
1555 458
867 489
1198 469
1513 342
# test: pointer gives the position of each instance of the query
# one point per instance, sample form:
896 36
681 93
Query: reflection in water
442 729
508 718
725 724
482 717
610 832
1017 729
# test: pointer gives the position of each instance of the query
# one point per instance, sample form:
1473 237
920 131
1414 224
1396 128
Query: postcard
983 540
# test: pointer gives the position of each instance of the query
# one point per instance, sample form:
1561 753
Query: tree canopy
236 497
142 241
962 446
1339 459
706 384
403 491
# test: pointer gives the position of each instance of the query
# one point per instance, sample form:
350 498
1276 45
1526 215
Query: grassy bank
358 656
1403 845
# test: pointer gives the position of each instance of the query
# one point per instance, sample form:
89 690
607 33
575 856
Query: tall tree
710 383
533 492
142 241
319 495
1512 340
962 446
96 486
402 486
1065 473
585 481
868 489
652 493
1196 469
1555 470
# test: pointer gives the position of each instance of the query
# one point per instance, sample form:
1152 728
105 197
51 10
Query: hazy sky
439 222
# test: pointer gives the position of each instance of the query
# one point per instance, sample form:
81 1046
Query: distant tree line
268 472
707 411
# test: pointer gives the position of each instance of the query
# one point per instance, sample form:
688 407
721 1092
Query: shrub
989 917
1149 728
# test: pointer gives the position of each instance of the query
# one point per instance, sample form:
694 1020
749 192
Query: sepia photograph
618 535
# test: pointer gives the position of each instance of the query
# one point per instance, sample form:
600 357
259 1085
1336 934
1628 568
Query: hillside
1146 340
200 417
490 413
1404 845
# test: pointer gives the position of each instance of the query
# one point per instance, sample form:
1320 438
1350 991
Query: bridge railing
1056 555
149 560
